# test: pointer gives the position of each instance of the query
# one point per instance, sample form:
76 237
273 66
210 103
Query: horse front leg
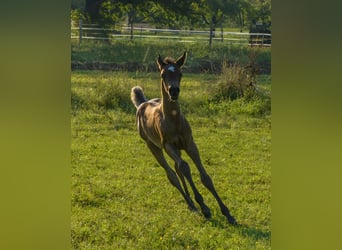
192 151
184 170
181 177
171 175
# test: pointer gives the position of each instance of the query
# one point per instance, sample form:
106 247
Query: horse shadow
245 230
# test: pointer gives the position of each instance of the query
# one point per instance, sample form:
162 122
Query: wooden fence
94 32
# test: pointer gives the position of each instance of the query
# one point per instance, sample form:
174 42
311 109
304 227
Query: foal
162 125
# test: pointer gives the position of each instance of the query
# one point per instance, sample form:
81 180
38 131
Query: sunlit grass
121 198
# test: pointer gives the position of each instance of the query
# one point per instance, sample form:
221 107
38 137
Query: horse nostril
174 91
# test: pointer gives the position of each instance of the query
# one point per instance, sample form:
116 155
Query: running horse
163 127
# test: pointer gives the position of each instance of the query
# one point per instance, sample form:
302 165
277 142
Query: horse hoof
193 208
207 214
232 221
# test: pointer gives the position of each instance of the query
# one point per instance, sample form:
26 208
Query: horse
162 126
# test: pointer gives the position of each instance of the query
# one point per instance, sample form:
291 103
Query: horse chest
175 134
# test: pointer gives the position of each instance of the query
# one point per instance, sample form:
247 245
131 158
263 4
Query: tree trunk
131 18
131 30
211 34
241 21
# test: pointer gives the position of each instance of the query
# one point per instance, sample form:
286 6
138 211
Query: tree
214 12
92 8
259 11
244 7
111 12
136 10
179 14
173 13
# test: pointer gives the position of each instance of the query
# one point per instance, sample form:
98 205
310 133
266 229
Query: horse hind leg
192 151
207 182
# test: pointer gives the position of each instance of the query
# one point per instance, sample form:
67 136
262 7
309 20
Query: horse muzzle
174 93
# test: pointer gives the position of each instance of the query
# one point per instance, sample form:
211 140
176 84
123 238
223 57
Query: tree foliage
189 14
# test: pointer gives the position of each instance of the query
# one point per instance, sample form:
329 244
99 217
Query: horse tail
137 96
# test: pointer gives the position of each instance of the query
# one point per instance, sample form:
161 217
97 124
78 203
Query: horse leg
172 176
181 177
184 169
192 151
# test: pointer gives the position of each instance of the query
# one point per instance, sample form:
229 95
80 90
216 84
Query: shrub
236 81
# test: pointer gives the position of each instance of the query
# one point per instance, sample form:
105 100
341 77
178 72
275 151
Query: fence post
80 31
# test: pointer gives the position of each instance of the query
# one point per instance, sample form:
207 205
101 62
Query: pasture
137 54
121 198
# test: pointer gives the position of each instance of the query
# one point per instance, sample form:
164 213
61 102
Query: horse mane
169 60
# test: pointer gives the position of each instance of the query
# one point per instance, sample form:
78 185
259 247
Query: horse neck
170 109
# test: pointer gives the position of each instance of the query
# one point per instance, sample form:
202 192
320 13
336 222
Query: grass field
129 55
121 198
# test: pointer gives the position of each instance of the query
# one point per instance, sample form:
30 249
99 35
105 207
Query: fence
94 32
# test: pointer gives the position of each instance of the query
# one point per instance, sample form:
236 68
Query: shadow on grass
254 232
244 230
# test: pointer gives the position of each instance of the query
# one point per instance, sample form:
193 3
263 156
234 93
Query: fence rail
91 32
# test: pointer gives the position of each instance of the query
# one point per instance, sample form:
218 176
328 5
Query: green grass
121 198
143 54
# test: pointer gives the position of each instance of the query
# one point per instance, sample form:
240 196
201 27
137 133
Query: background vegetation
174 14
249 15
140 55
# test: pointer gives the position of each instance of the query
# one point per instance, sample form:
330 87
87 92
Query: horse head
171 75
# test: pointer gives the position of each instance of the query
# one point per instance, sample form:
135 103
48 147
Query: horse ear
160 63
181 60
